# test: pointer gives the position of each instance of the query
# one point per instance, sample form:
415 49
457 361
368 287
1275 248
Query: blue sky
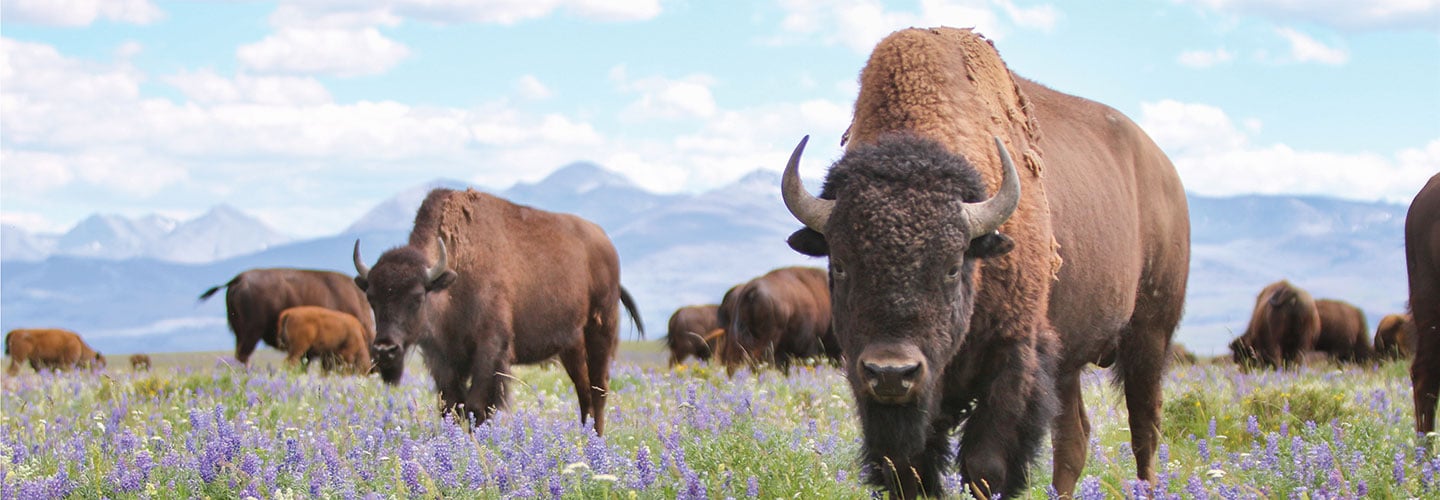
307 113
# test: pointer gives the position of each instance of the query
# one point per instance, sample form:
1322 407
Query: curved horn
360 266
986 216
440 265
813 212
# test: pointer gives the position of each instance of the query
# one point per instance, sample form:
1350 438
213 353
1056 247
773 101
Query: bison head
399 288
904 222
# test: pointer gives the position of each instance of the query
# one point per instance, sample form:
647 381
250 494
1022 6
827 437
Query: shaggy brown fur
1395 337
1100 260
254 299
1344 335
1284 325
779 317
139 362
1422 262
690 333
50 348
338 338
522 285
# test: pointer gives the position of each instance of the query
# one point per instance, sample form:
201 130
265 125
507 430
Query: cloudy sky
308 112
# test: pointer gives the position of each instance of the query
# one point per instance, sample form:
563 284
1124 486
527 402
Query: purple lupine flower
410 473
1090 489
1211 432
556 491
1163 454
1195 489
1252 425
644 467
1398 470
596 454
1362 488
752 487
1204 448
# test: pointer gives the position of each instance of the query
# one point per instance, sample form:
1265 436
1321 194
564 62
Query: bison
1395 337
1422 265
508 284
254 299
337 338
1344 335
955 309
139 362
51 348
694 331
779 317
1284 325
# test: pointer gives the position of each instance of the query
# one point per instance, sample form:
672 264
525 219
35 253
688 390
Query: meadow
197 426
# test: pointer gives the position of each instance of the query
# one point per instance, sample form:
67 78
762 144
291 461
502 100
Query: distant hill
220 233
675 250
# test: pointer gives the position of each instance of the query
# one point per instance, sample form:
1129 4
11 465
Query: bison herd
965 289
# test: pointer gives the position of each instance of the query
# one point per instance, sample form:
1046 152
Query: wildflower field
197 426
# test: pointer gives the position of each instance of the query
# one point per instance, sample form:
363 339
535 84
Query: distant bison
779 317
1344 336
693 331
139 362
484 283
1422 264
1284 325
254 299
50 348
1179 354
1395 337
337 338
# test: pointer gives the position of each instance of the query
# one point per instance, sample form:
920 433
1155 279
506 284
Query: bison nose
892 382
386 348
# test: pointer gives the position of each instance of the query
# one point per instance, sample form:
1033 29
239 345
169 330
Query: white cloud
329 51
664 98
358 13
1205 58
33 171
532 88
615 10
860 24
1346 14
206 87
1303 48
79 12
1214 157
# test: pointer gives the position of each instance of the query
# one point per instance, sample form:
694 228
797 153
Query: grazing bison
335 337
1343 335
779 317
1395 337
139 362
693 331
1422 265
1284 325
254 299
524 285
953 308
1179 354
50 348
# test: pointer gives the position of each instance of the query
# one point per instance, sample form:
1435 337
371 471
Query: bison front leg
486 394
1070 435
1012 415
573 359
601 338
1425 371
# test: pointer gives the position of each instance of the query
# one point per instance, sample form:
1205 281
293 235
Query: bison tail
280 333
206 296
629 302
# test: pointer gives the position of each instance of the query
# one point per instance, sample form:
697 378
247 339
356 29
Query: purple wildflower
644 467
752 487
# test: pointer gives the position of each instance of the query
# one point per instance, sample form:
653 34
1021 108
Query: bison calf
51 348
311 331
139 362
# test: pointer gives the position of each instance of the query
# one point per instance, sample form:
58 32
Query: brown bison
337 338
1284 325
254 299
1422 265
1344 335
779 317
693 331
139 362
1179 354
1395 337
508 284
50 348
956 309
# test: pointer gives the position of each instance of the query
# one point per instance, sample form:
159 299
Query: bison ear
809 242
442 281
991 245
363 283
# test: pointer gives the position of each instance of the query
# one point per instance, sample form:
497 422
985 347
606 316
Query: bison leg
601 338
1070 435
488 374
1425 368
573 359
1004 431
1140 371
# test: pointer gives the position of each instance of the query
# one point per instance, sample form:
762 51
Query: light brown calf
310 331
139 362
48 348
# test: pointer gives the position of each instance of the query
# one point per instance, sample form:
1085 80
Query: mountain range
130 285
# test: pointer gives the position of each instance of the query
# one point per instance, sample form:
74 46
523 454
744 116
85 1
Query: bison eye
837 270
953 274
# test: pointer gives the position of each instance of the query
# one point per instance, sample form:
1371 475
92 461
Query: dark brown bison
1344 335
956 309
779 317
508 284
1395 337
254 299
139 362
693 331
1284 325
1179 354
337 338
50 348
1422 265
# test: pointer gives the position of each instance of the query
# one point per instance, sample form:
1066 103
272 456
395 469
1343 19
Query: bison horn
812 211
440 265
986 216
360 266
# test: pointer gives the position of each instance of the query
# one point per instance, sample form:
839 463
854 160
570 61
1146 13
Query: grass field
196 426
